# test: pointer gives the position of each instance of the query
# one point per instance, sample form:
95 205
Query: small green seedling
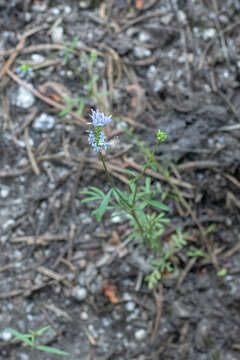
196 253
29 339
222 272
179 239
159 267
69 49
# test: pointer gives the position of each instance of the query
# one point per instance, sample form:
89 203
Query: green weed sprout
69 49
89 81
25 71
137 202
30 340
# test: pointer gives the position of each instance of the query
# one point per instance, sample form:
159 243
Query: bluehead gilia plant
137 202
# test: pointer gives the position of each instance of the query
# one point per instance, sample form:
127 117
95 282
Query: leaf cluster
29 339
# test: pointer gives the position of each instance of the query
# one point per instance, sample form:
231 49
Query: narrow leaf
103 206
159 205
22 337
52 350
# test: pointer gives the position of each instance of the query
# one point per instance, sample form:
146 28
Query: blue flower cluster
96 137
25 72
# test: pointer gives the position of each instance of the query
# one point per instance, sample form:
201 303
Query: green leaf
159 205
93 192
103 206
93 198
80 107
22 337
66 110
141 216
129 172
196 253
122 198
148 185
222 272
41 331
51 350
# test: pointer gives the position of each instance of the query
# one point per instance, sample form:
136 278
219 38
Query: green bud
161 136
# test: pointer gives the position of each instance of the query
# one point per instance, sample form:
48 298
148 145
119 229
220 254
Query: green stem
150 159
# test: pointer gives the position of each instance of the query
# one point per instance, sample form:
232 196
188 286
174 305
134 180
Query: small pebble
158 85
140 334
24 98
79 293
37 58
57 35
208 34
4 191
182 17
84 315
144 36
141 52
8 224
44 122
166 19
5 335
130 306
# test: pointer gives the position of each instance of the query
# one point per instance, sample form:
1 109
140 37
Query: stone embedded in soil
37 58
140 334
130 306
141 52
24 98
57 35
166 19
208 34
79 293
44 122
4 191
5 335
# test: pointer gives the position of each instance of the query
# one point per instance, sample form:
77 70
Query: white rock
151 71
182 17
158 85
67 9
144 36
166 19
44 122
84 4
79 293
55 11
140 334
84 315
141 52
4 191
8 224
57 35
24 98
5 335
37 58
208 34
130 306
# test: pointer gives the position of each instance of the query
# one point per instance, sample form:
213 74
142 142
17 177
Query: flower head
96 137
99 119
25 71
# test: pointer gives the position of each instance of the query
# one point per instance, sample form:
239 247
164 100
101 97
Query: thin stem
144 170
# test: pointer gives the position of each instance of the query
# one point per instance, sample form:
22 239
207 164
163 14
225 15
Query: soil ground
169 65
